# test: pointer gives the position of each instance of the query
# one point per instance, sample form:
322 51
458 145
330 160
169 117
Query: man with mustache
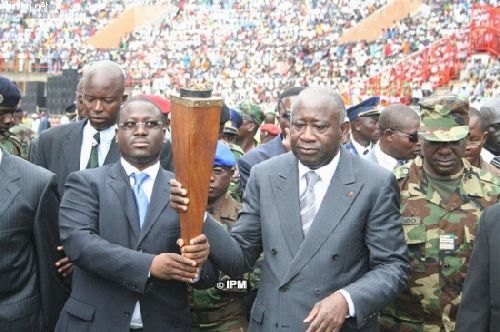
442 196
398 126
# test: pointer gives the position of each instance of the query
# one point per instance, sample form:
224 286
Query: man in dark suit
278 145
119 231
89 143
328 223
479 309
31 290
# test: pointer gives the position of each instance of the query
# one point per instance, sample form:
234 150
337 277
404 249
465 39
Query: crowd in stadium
247 49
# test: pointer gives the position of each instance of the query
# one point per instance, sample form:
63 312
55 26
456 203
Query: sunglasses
413 138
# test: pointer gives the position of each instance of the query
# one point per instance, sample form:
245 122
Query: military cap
235 118
9 93
161 103
444 118
367 107
223 156
230 128
270 129
252 112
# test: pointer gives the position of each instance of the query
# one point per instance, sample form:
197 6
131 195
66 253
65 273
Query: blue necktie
141 199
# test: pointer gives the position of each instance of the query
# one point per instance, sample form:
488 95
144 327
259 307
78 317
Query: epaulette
402 172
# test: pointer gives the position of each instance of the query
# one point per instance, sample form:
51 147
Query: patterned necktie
496 162
94 152
307 201
141 199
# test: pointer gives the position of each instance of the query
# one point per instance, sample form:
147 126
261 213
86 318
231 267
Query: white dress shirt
325 173
361 149
1 155
384 160
487 155
147 187
106 136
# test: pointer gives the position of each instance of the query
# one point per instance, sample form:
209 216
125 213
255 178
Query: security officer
9 99
363 118
219 308
22 134
442 196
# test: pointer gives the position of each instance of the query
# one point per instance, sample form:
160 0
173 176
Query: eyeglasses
413 138
440 145
132 125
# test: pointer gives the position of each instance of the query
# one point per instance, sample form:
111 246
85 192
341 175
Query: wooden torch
195 130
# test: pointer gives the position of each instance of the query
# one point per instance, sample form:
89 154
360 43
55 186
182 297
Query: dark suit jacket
31 290
58 150
355 243
100 232
479 309
263 152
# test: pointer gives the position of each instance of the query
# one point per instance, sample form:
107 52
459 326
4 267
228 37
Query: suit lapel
113 155
120 184
72 146
285 185
160 198
9 188
340 195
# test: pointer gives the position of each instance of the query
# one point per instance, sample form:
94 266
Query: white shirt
384 160
106 136
487 155
147 187
325 173
360 149
1 155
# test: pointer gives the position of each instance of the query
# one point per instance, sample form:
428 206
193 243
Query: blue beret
9 93
365 108
235 117
223 156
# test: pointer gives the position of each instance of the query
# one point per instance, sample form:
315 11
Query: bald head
323 96
396 116
106 71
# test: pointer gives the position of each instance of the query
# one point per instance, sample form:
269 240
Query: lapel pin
349 194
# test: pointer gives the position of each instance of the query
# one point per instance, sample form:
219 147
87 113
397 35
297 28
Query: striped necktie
307 202
496 162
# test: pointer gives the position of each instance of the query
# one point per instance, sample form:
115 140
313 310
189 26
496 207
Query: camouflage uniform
220 310
234 187
439 231
11 145
24 136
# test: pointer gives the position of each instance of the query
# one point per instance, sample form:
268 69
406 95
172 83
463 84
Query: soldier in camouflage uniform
9 99
442 196
220 309
23 134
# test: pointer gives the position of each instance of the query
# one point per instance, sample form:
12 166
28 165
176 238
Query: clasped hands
186 266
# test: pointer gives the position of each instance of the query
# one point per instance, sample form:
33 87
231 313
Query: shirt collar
359 147
325 172
383 158
152 170
105 135
1 155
